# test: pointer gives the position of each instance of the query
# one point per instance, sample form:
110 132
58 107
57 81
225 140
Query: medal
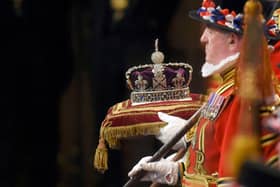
213 106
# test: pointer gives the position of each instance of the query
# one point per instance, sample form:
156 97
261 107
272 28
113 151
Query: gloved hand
163 171
174 124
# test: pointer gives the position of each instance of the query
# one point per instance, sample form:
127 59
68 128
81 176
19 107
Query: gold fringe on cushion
112 135
101 156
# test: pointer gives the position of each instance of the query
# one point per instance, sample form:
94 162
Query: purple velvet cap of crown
171 75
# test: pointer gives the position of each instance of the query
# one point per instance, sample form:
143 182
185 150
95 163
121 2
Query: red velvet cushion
125 120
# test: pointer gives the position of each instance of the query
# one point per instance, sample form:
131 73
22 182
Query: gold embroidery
187 162
199 162
272 161
228 74
191 133
228 80
193 141
202 135
225 87
269 139
198 180
200 157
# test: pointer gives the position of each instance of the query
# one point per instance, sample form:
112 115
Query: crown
159 81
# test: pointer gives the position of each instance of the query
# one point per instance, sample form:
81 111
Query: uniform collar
228 81
228 74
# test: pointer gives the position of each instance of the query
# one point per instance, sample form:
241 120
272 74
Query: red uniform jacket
207 154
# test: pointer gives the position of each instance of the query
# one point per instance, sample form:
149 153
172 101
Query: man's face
216 45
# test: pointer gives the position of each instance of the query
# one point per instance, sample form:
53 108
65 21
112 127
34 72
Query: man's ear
234 42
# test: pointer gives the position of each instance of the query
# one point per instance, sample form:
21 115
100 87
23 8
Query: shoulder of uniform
226 89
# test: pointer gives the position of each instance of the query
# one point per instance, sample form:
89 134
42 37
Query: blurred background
63 66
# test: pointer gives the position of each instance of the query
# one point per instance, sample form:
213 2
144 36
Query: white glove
173 155
174 124
163 171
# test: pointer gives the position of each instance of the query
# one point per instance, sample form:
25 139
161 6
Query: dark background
63 65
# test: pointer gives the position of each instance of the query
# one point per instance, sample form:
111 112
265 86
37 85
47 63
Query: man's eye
210 31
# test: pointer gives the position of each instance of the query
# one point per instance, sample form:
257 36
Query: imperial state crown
159 81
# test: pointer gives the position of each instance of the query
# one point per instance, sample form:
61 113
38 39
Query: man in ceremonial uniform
209 147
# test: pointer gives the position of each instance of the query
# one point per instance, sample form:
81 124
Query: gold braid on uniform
269 109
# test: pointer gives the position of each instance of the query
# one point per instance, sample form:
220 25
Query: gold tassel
101 156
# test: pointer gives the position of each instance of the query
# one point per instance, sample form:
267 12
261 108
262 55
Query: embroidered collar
228 74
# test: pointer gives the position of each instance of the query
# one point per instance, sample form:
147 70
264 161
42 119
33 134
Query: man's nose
203 37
